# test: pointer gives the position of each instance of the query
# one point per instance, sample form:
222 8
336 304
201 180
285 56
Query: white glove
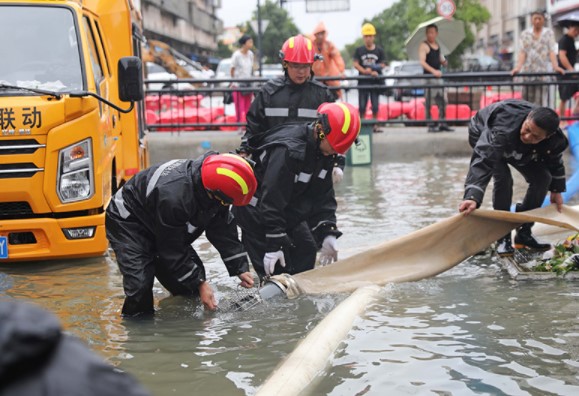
337 174
329 250
270 259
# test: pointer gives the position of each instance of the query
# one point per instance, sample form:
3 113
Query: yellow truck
71 122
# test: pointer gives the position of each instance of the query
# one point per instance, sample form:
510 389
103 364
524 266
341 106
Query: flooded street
471 330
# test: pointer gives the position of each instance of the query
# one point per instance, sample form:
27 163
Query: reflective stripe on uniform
191 228
275 235
157 175
475 187
120 203
187 275
307 113
234 257
323 173
303 177
276 112
262 156
558 177
253 201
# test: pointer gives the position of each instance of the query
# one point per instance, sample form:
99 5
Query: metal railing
180 110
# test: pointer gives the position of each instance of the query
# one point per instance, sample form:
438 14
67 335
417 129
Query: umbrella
569 19
450 35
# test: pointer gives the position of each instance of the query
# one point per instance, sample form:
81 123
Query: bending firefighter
528 138
152 221
293 212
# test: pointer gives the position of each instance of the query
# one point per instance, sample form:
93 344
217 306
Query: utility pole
259 36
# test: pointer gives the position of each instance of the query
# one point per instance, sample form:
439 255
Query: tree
280 28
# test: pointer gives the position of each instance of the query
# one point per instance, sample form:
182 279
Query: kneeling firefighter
155 217
293 212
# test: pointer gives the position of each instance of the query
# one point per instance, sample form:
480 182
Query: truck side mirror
130 72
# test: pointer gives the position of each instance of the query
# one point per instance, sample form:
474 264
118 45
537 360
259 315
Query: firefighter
153 219
528 138
293 212
293 97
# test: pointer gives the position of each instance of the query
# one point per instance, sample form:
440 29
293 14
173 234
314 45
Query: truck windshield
40 48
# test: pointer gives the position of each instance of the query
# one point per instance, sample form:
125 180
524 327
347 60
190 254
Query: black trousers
363 95
535 174
299 258
139 264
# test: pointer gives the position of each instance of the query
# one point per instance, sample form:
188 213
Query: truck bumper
49 240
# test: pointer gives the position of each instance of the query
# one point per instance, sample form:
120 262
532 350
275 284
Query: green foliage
223 51
280 28
564 258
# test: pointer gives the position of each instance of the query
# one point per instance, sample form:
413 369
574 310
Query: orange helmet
341 124
298 49
229 177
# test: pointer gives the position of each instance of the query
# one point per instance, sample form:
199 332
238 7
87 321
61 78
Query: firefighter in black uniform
155 217
294 209
516 133
291 98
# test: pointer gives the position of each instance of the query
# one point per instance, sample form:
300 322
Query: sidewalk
393 144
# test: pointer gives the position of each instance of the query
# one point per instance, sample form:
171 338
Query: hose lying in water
301 367
421 254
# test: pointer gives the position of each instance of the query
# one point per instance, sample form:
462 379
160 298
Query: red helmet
341 123
229 177
298 49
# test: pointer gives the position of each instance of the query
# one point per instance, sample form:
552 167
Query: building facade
500 37
189 26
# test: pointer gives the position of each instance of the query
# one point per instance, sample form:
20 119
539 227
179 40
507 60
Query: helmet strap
319 129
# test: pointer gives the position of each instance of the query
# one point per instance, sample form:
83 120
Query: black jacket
294 185
494 134
169 200
281 101
37 359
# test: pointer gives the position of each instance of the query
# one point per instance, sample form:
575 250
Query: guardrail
181 110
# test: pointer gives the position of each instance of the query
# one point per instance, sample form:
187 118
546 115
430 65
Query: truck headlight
75 172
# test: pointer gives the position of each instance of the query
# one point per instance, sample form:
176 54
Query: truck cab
71 123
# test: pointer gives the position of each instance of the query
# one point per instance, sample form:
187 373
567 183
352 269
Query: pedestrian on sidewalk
331 63
369 60
242 68
567 58
432 60
537 50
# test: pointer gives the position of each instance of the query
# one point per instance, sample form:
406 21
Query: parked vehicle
390 70
69 137
158 72
223 70
410 68
481 63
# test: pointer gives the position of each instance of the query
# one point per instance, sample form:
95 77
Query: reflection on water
470 330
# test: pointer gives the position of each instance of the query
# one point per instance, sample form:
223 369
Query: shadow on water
470 330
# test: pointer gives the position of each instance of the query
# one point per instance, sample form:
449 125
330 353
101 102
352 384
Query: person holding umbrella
442 37
431 60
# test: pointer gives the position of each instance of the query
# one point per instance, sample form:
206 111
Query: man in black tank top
431 60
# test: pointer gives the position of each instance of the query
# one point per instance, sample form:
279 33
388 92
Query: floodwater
471 330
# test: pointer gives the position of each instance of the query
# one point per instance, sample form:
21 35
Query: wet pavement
471 330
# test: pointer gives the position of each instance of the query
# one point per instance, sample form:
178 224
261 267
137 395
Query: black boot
505 247
524 239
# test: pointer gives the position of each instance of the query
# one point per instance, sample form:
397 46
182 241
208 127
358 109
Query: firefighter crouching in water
155 217
293 97
516 133
293 211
